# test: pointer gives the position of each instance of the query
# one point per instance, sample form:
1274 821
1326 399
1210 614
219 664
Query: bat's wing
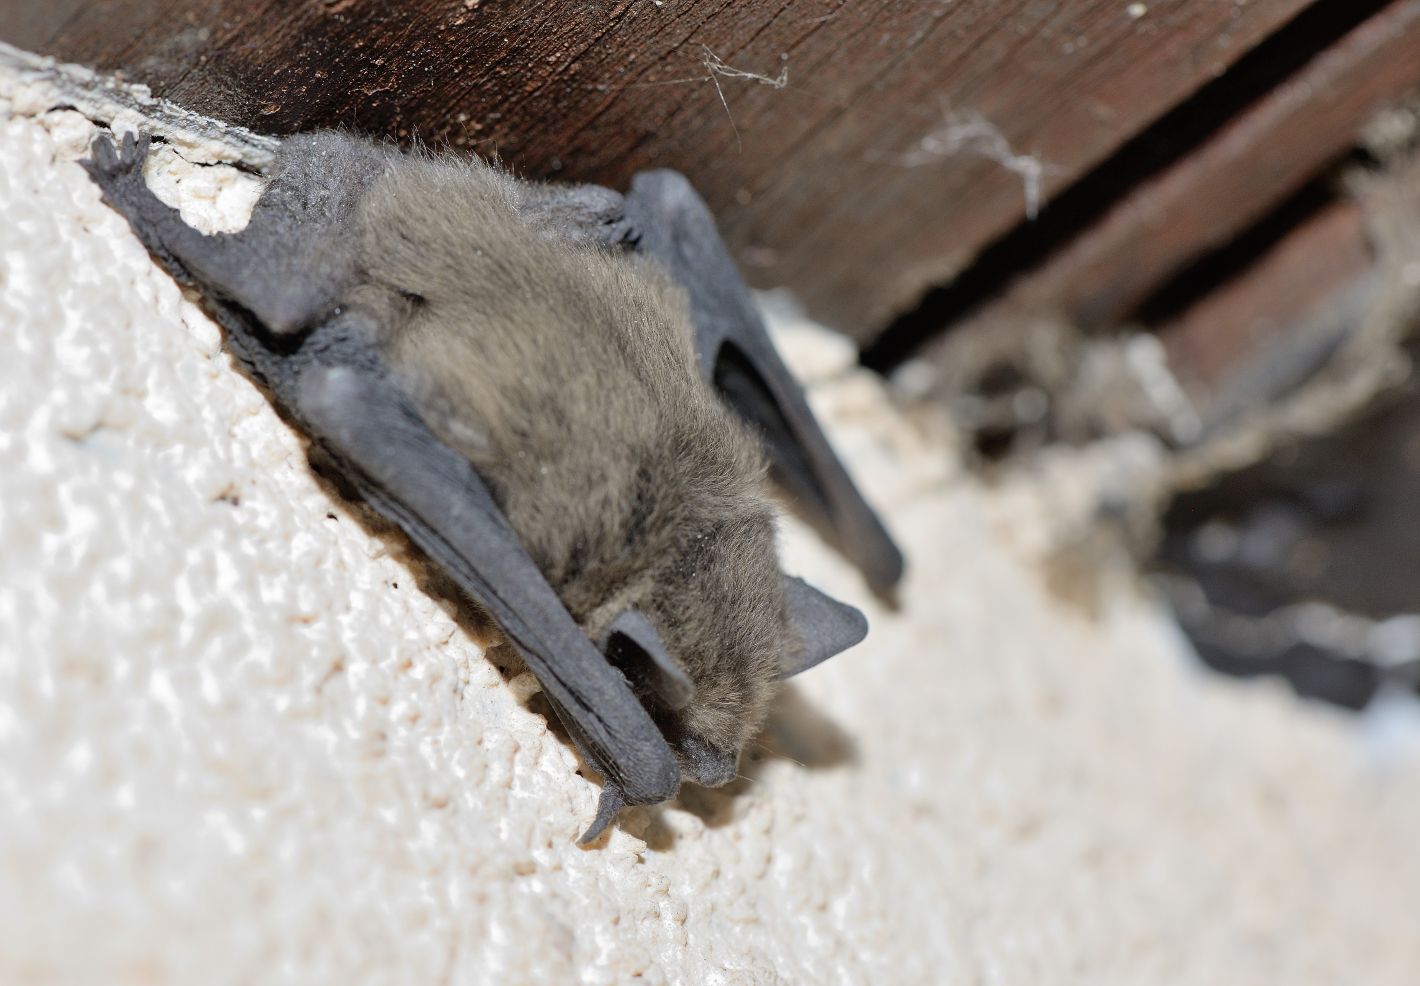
581 213
434 494
336 387
671 223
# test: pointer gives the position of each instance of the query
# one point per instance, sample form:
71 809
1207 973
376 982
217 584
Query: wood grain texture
848 183
1263 156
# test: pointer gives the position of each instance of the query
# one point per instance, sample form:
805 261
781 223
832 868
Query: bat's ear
826 625
632 643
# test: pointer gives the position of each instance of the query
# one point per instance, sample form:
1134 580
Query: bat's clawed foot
613 799
118 171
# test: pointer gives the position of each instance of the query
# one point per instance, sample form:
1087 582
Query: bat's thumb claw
613 799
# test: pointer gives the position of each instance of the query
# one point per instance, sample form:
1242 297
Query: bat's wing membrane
435 495
671 223
336 386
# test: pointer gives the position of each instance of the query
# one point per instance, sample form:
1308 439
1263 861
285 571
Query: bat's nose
706 765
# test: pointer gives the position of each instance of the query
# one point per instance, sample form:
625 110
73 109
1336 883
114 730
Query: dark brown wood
1260 159
845 183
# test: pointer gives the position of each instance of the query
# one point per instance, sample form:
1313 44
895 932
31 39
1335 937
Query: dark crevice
1171 138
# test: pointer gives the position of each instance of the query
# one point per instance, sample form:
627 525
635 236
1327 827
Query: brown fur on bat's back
566 374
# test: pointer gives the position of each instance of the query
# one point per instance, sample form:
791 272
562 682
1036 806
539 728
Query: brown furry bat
498 373
566 376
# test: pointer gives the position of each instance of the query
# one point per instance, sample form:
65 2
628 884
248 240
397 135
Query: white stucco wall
239 744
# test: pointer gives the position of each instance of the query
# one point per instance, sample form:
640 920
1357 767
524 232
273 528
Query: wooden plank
848 183
1227 329
1263 156
1272 324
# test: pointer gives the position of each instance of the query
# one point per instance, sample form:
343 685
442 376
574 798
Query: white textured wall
239 744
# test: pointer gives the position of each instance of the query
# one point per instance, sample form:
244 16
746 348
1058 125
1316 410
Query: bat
566 400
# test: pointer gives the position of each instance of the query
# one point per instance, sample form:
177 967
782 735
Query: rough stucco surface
238 743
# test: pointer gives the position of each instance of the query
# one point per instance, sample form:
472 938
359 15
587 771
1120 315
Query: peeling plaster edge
44 83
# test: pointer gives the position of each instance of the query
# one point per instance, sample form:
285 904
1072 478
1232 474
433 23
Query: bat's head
709 635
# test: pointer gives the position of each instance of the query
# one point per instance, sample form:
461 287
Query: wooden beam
904 137
1205 199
